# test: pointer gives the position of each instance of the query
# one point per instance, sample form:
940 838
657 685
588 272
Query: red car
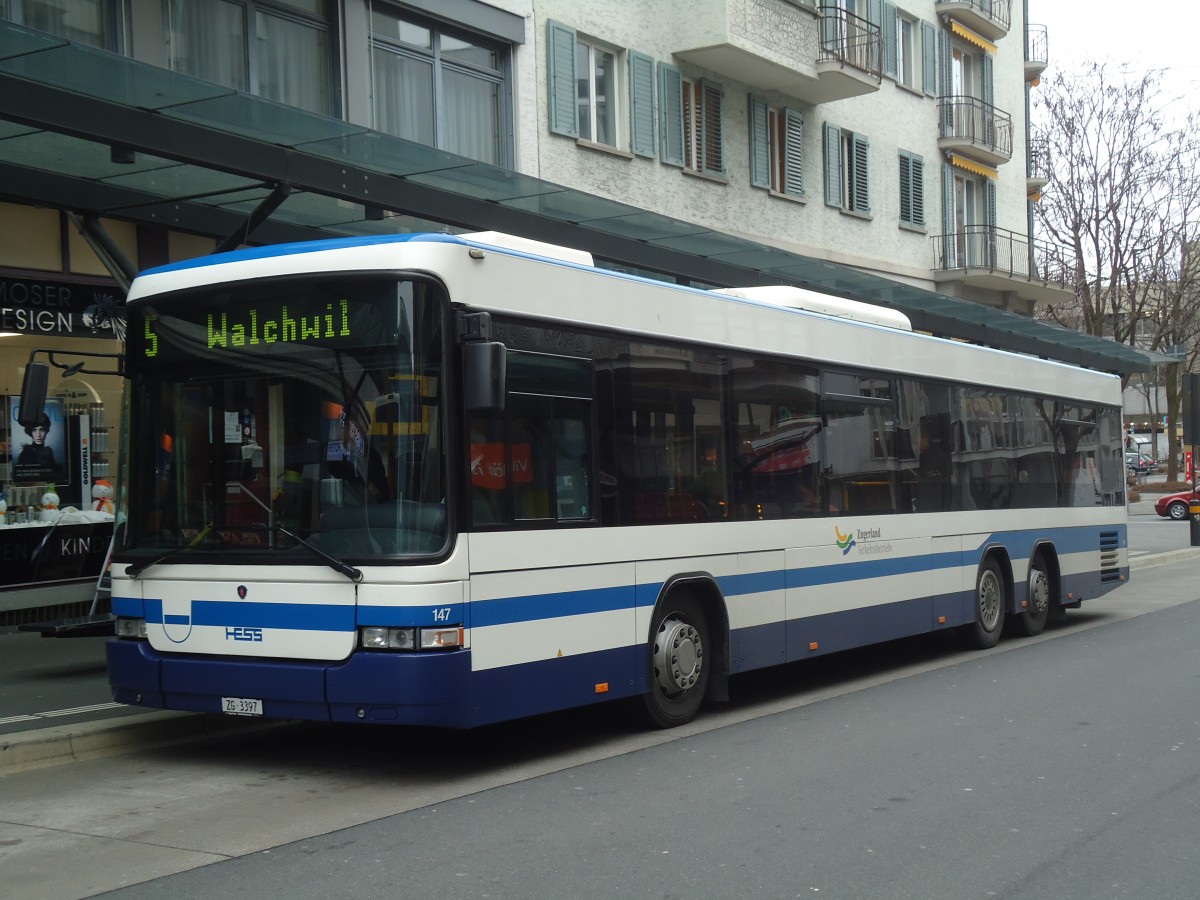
1175 506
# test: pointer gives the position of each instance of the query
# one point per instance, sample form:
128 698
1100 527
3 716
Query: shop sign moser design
60 308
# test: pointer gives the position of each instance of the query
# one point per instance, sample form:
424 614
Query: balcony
1037 42
975 129
989 18
995 259
814 54
1037 173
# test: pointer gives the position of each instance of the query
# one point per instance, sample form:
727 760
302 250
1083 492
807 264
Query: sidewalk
55 705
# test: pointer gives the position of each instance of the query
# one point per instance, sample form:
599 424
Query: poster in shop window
39 453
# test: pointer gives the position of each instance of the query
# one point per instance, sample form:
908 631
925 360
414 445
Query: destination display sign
267 320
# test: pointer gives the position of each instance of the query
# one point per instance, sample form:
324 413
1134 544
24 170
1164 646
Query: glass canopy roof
205 157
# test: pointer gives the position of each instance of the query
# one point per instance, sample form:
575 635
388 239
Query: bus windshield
288 415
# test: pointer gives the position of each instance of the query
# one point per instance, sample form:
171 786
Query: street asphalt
55 704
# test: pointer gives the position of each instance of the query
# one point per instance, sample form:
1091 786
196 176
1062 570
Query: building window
596 77
690 122
595 97
91 22
906 50
702 144
912 189
776 148
440 88
281 50
847 179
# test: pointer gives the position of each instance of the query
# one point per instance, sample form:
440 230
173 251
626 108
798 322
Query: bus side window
533 463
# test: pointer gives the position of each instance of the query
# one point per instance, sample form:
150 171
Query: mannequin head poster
39 452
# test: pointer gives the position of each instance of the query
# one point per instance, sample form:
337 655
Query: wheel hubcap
989 600
1039 591
678 656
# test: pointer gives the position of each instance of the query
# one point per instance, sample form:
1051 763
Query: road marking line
57 713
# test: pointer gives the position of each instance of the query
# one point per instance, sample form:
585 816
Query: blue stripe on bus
507 610
535 607
292 616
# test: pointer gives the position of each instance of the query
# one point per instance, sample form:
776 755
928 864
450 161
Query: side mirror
484 376
33 394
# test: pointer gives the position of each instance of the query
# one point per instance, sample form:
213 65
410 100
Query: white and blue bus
451 480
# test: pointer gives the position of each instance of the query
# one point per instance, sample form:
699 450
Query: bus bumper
395 688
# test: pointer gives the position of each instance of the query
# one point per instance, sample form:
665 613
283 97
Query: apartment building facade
714 141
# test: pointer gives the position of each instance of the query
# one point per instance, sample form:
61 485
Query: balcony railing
1037 54
991 18
851 41
1004 252
1039 160
971 121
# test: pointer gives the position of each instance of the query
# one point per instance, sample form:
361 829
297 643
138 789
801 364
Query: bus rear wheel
990 603
679 669
1032 621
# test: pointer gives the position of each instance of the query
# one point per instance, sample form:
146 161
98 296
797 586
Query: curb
1151 560
44 747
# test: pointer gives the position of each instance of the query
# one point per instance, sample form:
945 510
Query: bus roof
498 271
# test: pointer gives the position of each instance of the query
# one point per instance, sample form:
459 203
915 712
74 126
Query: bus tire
679 663
990 603
1032 621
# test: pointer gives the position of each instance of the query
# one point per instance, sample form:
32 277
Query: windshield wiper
200 539
334 563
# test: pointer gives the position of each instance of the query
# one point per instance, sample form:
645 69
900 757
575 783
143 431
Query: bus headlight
134 629
441 638
380 638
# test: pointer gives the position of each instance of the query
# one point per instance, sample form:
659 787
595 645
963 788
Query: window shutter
862 186
670 112
711 146
929 59
760 143
793 159
989 212
988 95
918 190
832 18
891 64
948 241
833 165
946 79
906 214
561 98
875 12
641 104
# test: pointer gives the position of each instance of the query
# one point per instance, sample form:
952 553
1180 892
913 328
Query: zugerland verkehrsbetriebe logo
867 541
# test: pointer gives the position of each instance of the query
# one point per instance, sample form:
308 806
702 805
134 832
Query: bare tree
1124 194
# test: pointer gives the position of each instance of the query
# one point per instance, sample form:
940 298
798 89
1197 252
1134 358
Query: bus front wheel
990 603
679 667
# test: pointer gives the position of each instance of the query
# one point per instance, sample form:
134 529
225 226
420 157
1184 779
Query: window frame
847 171
776 148
703 134
587 81
326 22
500 77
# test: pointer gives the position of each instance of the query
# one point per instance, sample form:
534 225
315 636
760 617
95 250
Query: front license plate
241 706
